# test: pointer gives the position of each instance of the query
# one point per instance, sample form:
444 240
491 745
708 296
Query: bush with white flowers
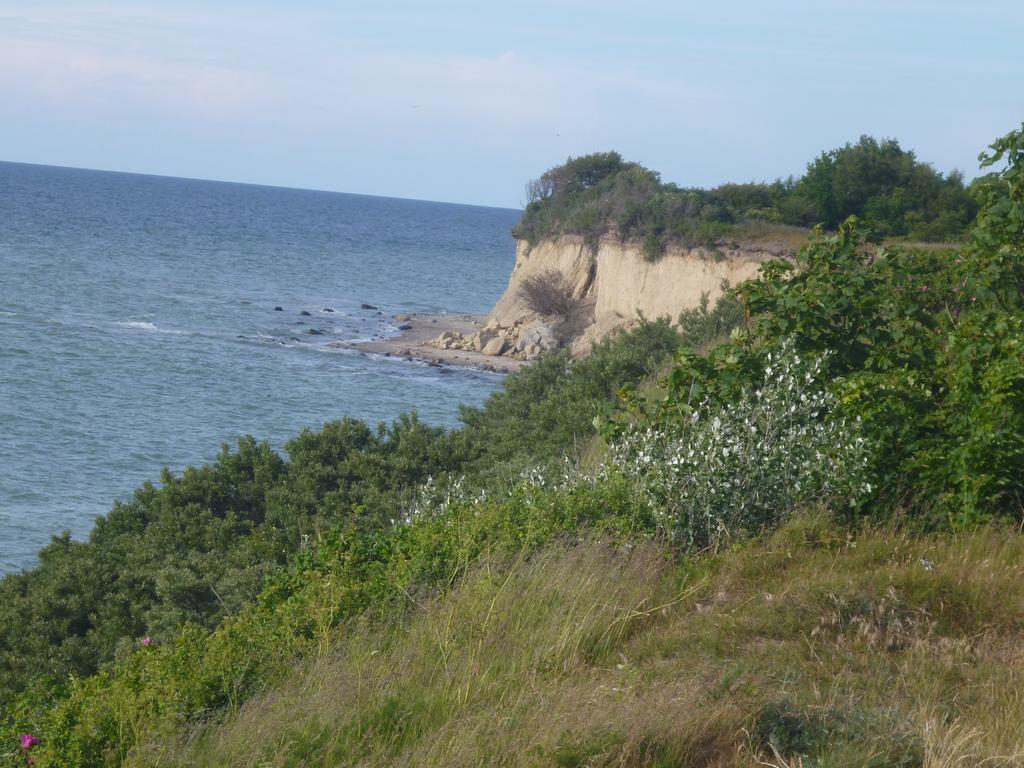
742 467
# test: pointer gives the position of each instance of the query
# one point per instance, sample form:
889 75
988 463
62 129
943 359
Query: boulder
279 309
448 340
483 338
539 334
405 327
304 313
367 306
495 346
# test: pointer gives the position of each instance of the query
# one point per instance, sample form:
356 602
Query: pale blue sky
466 101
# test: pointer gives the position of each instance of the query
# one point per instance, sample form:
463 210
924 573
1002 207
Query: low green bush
886 186
547 410
730 471
703 325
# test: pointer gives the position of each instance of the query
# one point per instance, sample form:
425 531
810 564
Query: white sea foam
142 325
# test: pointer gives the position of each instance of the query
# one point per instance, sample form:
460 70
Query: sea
140 329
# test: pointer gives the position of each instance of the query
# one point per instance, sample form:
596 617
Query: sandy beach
414 343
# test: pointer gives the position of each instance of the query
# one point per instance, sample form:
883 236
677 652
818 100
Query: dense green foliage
925 348
198 547
886 187
548 411
342 577
714 472
703 325
886 383
879 182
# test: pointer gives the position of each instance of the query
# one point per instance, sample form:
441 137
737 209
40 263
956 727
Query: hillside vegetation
781 531
812 645
884 185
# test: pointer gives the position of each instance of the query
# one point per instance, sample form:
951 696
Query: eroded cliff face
614 286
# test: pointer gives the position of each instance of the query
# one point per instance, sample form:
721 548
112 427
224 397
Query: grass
753 232
813 647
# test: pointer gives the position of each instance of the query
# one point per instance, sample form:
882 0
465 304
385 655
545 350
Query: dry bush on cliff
548 293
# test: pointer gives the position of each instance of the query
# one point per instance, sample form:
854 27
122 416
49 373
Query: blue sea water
138 329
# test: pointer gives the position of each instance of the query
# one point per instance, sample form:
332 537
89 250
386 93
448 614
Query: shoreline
416 333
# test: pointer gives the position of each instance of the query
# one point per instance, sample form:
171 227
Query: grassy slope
500 629
874 649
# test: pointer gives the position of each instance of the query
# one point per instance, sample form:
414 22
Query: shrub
602 195
548 293
700 326
740 468
547 409
889 188
200 546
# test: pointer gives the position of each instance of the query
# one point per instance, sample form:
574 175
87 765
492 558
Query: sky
467 101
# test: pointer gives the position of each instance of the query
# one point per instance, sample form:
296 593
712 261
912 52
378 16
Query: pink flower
28 741
147 641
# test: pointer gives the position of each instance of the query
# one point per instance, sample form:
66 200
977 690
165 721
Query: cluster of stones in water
307 313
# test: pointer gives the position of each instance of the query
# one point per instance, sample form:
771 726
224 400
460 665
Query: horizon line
253 184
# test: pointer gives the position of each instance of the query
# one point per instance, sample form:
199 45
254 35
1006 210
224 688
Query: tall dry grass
814 647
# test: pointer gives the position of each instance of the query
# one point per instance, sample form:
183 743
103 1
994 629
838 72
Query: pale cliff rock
614 285
568 255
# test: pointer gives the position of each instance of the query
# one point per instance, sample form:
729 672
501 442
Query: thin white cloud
69 76
235 68
323 94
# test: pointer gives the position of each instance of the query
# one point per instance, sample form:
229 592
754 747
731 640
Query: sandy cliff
614 285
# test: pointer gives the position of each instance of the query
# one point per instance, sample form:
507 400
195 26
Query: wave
143 325
326 340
